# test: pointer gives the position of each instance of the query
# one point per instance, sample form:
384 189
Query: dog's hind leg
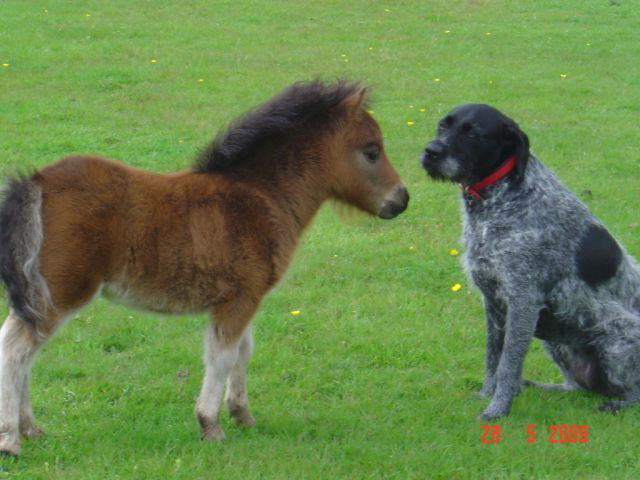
551 387
615 406
620 358
565 357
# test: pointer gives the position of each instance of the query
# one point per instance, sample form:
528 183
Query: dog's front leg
520 326
495 340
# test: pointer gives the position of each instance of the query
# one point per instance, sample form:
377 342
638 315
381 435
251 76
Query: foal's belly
172 298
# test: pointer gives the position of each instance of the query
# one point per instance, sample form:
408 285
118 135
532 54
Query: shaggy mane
299 106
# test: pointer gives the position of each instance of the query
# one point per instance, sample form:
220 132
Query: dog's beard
447 170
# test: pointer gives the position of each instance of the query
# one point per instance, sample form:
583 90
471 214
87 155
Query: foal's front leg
236 398
226 352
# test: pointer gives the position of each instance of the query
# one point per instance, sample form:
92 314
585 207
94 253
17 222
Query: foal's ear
520 143
356 101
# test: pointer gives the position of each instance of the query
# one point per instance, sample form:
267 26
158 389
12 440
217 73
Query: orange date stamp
557 434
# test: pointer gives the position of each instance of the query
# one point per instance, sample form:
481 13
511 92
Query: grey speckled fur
522 241
520 251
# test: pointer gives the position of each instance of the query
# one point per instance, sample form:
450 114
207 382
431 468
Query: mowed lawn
375 378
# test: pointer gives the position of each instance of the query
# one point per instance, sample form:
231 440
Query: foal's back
165 243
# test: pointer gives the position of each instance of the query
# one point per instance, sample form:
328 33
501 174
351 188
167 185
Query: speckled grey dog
545 265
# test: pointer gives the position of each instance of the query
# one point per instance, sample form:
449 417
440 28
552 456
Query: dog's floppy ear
520 143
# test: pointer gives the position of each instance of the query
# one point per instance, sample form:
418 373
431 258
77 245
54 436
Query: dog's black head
473 141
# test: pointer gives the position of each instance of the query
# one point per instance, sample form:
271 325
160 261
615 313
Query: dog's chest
482 258
484 275
481 268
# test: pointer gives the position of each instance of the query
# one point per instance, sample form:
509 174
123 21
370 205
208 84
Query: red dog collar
499 174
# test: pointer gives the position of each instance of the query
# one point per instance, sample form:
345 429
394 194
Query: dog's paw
492 414
484 393
613 406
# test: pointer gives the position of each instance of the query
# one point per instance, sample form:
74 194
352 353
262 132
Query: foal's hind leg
223 340
28 427
236 399
19 343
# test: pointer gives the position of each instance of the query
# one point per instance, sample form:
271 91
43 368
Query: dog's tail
20 242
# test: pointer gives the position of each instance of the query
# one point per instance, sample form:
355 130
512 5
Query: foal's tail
20 242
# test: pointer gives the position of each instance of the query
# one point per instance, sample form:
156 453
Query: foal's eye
372 153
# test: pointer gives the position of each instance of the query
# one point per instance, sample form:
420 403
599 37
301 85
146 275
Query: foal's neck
297 183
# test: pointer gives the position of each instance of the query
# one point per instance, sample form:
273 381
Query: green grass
375 378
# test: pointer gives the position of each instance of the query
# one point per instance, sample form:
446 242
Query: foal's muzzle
395 203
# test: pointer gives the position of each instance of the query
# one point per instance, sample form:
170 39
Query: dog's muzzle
431 159
432 153
395 204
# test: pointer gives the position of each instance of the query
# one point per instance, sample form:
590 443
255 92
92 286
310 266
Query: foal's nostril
404 198
395 205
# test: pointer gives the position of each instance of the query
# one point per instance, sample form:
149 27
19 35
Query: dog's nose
433 150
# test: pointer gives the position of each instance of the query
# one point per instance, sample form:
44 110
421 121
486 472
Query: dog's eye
372 153
445 123
468 130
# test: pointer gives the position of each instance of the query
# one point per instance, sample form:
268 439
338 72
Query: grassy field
375 377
